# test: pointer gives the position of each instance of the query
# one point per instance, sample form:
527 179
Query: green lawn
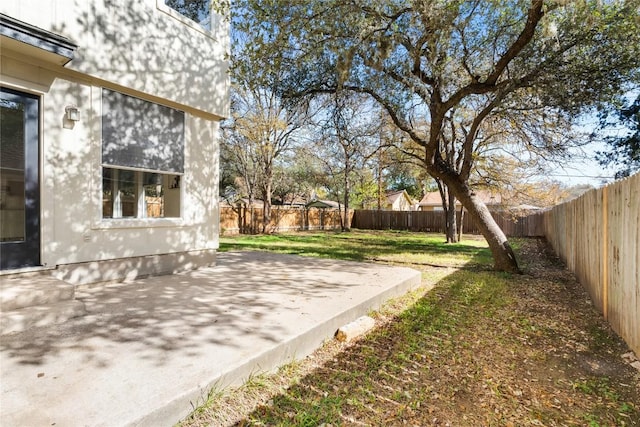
387 246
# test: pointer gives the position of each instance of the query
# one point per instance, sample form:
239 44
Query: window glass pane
128 193
107 192
172 196
12 171
141 134
196 10
154 195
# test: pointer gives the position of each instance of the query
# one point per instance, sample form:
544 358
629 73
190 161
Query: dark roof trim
323 204
34 36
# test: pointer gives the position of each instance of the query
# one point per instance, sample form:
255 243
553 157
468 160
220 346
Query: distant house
526 208
109 154
244 202
289 201
433 202
324 204
399 201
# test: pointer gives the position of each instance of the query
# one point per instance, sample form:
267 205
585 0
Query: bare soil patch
480 349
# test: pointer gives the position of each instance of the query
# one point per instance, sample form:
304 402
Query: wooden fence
598 237
246 220
434 221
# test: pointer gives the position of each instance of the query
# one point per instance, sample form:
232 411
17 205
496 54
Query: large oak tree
425 60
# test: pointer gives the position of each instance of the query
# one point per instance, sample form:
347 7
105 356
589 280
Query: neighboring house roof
243 202
289 200
431 199
490 199
393 196
323 204
525 207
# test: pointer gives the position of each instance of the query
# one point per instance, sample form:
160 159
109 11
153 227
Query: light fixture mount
72 113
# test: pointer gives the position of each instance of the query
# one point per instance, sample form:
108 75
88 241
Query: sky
584 169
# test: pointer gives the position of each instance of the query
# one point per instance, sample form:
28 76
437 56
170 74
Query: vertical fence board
632 265
615 237
598 237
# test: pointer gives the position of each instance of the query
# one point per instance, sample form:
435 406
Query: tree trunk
449 210
452 234
242 225
347 168
461 223
266 208
345 213
379 180
503 257
445 209
252 228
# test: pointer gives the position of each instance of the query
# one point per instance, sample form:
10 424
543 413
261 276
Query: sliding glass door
19 180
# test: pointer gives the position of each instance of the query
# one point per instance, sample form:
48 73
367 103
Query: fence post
604 258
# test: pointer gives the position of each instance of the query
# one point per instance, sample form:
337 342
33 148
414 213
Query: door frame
27 253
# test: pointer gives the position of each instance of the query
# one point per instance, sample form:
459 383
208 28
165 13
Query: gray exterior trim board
37 37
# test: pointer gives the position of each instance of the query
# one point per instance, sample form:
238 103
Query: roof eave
37 37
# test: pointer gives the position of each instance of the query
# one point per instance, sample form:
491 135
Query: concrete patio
148 351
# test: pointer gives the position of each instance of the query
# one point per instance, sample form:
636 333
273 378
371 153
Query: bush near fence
434 221
246 220
598 237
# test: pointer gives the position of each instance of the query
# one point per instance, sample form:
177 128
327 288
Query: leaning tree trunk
503 257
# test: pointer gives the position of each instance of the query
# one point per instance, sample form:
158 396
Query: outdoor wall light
72 113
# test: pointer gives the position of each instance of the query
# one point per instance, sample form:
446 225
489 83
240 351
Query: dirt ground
532 352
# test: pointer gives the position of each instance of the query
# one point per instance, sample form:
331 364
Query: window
142 158
137 194
197 10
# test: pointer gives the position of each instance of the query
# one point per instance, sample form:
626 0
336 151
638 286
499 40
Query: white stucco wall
141 45
145 52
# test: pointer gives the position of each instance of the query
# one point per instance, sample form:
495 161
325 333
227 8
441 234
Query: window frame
141 204
102 223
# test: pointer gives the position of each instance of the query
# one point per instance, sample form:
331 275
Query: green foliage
365 191
453 76
196 10
624 151
407 176
401 51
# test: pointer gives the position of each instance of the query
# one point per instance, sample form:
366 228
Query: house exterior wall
139 48
399 202
402 204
